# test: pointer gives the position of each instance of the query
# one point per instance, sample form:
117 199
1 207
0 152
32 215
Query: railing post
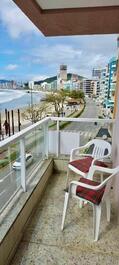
58 139
23 163
46 140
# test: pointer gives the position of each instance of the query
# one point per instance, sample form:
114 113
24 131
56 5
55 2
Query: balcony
32 198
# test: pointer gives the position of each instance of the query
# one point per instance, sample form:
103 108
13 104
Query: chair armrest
94 168
73 185
73 151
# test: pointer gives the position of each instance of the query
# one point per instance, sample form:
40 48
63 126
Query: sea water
12 99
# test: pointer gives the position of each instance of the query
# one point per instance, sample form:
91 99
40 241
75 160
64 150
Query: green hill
54 78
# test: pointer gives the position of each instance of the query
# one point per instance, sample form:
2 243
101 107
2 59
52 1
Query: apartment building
86 84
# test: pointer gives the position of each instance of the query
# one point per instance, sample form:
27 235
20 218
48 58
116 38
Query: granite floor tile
35 254
43 242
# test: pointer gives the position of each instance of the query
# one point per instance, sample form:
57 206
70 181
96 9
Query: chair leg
67 179
81 203
101 177
66 200
96 220
108 208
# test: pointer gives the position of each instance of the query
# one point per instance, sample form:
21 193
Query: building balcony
32 198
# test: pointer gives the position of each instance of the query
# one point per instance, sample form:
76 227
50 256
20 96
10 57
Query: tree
77 95
63 95
57 99
35 113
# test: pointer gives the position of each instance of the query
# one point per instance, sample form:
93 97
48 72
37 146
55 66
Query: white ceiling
58 4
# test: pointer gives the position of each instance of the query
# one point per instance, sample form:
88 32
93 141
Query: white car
17 164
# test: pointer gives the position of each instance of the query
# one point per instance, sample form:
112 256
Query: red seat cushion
84 164
100 164
93 196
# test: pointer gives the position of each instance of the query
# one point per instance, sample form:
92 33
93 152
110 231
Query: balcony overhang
73 17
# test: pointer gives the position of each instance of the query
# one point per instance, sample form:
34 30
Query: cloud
51 56
14 20
56 54
42 56
11 67
81 54
36 77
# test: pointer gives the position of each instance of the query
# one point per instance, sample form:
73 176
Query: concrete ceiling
61 4
72 17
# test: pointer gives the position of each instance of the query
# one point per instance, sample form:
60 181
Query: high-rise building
63 72
62 76
104 80
95 87
86 84
8 84
31 84
112 72
108 82
96 73
54 85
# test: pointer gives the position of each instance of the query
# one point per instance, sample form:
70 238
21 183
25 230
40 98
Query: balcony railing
22 154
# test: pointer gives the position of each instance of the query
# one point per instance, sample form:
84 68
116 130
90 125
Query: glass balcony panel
34 148
10 172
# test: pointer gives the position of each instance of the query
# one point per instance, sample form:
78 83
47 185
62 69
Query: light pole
31 85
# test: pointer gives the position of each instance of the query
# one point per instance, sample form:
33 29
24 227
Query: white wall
115 157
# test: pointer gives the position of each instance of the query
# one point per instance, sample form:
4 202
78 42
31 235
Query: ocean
14 99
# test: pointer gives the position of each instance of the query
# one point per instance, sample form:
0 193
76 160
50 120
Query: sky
26 54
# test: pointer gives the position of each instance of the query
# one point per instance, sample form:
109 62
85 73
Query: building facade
63 72
112 73
86 84
96 73
95 88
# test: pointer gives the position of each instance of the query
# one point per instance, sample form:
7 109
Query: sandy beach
24 123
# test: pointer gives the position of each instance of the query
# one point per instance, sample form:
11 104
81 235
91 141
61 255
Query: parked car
17 164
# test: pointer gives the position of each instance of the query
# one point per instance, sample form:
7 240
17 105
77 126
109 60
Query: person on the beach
6 125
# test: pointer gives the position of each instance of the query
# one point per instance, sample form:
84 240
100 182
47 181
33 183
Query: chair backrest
109 181
100 148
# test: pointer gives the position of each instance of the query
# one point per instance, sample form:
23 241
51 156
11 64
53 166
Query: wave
9 95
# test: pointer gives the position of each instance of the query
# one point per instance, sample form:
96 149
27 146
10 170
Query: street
87 130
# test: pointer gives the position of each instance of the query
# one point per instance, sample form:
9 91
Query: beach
23 106
17 100
13 99
24 123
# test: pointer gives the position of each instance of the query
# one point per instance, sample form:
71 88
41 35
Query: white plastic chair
99 150
92 192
